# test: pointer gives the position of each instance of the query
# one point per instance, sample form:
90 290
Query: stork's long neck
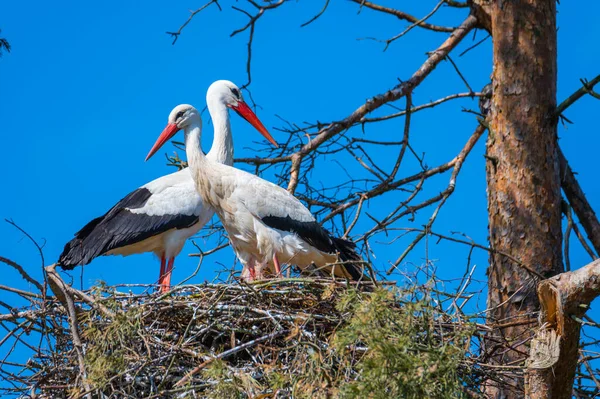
222 148
199 164
193 150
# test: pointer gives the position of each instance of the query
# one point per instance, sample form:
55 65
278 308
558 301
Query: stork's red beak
245 112
166 134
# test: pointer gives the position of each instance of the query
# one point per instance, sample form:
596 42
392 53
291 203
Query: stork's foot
254 271
163 289
260 270
249 271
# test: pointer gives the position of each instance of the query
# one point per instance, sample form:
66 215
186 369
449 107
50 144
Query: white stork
265 223
161 215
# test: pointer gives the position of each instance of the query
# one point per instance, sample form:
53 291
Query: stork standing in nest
267 226
161 215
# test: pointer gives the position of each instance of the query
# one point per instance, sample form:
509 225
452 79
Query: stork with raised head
161 215
266 225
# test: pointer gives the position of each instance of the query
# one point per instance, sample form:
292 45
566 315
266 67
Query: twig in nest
229 352
61 290
64 287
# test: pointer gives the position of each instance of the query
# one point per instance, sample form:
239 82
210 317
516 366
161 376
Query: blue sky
87 89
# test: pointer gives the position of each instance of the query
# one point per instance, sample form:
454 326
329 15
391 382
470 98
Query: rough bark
564 300
522 175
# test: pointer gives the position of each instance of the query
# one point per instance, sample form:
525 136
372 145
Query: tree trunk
523 178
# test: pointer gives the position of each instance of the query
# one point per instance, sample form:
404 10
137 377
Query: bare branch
420 23
462 77
579 203
66 289
4 45
251 25
22 272
458 162
392 95
585 89
567 212
405 137
404 16
316 16
421 107
175 35
456 4
229 352
38 246
474 46
60 289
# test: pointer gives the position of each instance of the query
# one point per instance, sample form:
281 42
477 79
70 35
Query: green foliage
409 354
228 386
107 345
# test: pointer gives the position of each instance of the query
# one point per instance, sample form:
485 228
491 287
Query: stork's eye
179 115
235 92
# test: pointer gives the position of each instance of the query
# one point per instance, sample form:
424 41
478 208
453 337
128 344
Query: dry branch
22 272
407 17
587 88
176 34
61 289
392 95
564 301
579 203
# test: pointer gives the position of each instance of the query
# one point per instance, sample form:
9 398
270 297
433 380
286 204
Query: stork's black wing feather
119 227
317 236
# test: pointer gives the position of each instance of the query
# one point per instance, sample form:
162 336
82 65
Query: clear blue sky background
88 87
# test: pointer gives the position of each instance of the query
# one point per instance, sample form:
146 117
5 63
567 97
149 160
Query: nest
279 338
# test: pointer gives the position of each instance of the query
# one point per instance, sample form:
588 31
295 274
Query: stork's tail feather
79 251
75 254
347 253
71 255
346 249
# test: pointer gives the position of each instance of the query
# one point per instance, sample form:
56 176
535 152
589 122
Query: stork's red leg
249 271
277 266
166 286
161 276
252 270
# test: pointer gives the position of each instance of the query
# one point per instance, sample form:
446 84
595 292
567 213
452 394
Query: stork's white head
181 116
224 92
184 115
